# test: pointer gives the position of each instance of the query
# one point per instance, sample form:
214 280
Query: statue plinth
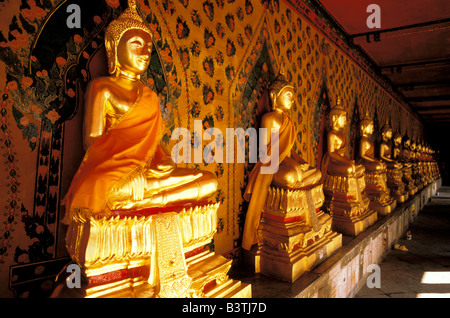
411 187
348 204
424 177
417 176
378 192
152 253
295 234
395 183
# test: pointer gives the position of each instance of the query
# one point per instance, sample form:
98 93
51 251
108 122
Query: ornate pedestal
411 187
295 234
424 173
429 174
418 178
379 193
395 183
153 253
348 205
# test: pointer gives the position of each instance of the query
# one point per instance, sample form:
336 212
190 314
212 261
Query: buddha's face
389 134
342 120
133 51
398 140
406 143
413 146
285 99
369 129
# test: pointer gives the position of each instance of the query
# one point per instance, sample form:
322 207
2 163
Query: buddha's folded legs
311 176
290 174
181 186
338 168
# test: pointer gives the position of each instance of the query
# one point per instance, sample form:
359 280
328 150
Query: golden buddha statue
394 168
344 182
434 164
423 164
376 172
131 212
416 175
402 154
284 213
431 163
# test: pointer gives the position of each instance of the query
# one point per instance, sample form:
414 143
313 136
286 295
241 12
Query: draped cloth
258 183
119 154
327 160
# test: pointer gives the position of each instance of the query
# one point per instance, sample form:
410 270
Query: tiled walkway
423 270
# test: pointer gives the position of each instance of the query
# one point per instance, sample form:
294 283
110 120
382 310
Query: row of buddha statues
138 225
288 233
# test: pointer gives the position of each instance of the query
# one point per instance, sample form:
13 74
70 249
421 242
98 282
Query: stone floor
424 270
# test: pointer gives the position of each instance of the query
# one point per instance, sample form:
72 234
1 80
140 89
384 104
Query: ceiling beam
436 119
427 84
398 67
400 28
435 115
432 108
419 99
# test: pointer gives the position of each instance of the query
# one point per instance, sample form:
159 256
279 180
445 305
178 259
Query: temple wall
216 58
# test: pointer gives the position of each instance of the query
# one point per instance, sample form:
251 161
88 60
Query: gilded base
294 234
378 192
396 185
383 208
411 187
401 197
153 254
290 266
348 204
353 225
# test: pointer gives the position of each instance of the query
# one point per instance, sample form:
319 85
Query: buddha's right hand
161 169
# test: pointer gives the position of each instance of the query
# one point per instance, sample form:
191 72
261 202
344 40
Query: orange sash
128 145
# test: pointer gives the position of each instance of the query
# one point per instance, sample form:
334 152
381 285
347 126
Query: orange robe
128 145
258 184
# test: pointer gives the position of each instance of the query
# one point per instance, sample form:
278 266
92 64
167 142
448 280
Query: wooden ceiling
411 50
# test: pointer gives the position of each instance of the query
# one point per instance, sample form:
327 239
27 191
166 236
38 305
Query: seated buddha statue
126 166
344 183
337 161
284 214
394 168
376 172
133 215
396 150
423 165
386 151
404 156
415 165
293 172
367 148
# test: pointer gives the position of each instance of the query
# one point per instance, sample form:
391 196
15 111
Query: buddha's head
338 116
366 125
281 94
412 146
397 139
128 42
386 132
406 142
